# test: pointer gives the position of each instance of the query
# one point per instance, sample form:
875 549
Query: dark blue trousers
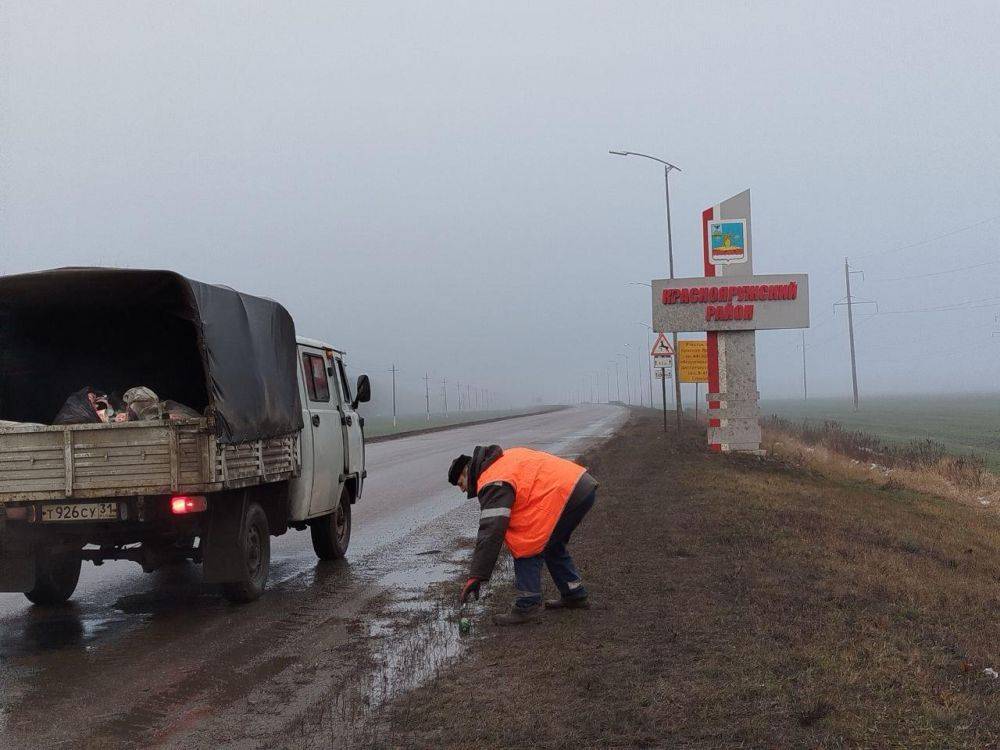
528 570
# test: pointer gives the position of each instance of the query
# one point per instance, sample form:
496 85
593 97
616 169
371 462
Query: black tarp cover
208 346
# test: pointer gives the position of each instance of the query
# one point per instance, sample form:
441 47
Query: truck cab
332 448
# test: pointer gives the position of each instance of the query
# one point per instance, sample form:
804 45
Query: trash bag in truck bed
224 353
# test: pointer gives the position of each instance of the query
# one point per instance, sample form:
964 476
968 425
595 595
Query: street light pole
667 167
394 371
628 381
649 359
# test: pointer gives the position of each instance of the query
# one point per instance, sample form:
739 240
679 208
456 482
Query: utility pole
607 371
394 371
427 394
851 302
850 329
444 392
618 380
805 386
458 385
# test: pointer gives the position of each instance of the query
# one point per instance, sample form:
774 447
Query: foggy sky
429 184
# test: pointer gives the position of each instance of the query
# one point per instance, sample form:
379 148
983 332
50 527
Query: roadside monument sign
730 303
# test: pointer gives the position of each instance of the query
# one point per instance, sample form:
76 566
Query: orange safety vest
542 485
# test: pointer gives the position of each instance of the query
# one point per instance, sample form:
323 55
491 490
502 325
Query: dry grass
922 466
740 603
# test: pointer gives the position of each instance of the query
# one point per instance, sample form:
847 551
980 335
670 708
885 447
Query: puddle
414 655
418 578
408 639
58 629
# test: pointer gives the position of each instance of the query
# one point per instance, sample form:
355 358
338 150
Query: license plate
80 512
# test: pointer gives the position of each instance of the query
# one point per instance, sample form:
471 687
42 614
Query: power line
971 304
929 335
929 240
908 358
939 273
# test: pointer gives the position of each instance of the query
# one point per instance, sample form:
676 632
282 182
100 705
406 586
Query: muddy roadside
736 603
169 663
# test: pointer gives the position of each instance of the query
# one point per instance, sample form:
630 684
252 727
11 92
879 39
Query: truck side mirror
363 393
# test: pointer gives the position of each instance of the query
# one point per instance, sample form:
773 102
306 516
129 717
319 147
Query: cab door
327 442
352 424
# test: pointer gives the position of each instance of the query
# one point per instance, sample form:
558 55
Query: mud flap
17 564
222 558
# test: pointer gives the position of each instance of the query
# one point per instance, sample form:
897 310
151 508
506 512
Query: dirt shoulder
737 602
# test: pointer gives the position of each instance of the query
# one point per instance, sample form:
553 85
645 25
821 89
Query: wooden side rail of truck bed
135 458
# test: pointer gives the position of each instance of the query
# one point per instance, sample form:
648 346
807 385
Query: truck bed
135 458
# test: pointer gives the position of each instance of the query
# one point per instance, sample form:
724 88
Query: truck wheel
331 534
56 576
255 547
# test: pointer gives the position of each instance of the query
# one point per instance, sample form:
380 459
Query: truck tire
255 548
332 533
56 576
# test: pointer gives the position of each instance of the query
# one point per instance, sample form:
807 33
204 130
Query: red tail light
181 504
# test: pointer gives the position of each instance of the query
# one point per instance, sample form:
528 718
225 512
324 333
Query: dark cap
456 468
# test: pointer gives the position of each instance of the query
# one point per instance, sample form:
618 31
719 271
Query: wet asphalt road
142 660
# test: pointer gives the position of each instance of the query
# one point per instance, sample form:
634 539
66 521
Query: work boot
519 616
573 602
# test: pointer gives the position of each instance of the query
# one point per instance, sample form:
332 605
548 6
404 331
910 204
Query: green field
377 426
963 424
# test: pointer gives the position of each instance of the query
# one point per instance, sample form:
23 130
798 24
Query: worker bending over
532 501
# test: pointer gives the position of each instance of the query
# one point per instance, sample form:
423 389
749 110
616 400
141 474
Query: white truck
278 444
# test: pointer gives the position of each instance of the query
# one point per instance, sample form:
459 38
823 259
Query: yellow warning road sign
692 363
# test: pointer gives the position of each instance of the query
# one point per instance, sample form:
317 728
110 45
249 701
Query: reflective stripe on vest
542 485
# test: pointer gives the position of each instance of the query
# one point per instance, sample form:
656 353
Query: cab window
343 381
317 384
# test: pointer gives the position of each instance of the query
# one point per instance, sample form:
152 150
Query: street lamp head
666 164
